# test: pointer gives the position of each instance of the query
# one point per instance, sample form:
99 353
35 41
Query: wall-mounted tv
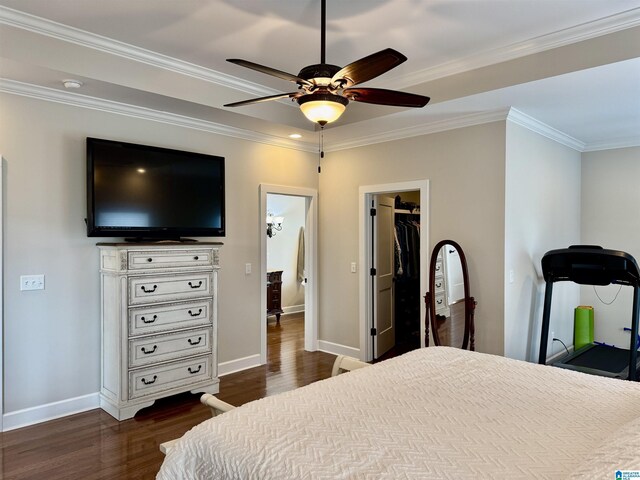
140 191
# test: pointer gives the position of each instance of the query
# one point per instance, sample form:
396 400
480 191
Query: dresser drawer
170 346
164 288
147 320
438 269
440 301
150 380
151 259
438 283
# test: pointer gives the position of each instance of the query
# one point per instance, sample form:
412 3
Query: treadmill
593 265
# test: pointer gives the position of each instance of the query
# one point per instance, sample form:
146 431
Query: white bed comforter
438 413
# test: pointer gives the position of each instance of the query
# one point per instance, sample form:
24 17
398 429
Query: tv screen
150 192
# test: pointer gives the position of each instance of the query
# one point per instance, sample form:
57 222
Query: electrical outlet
31 282
353 267
247 269
552 335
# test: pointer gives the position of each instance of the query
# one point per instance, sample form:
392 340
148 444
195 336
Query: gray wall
542 212
52 337
610 218
466 172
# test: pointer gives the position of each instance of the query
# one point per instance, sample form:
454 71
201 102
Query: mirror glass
449 304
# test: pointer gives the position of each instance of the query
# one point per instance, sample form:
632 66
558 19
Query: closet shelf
408 212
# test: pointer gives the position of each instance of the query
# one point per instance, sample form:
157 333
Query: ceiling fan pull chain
320 147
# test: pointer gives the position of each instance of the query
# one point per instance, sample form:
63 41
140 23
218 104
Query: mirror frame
430 300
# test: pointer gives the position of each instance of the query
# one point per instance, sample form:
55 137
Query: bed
437 412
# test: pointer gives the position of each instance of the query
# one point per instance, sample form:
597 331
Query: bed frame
342 364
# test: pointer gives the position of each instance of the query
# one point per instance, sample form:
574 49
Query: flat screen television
141 192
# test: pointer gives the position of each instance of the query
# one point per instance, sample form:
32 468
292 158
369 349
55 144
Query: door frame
2 209
366 193
311 263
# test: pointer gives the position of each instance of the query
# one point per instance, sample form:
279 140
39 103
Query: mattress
437 412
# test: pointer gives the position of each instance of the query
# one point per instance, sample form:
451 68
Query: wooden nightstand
274 293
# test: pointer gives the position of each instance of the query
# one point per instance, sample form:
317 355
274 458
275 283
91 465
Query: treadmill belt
602 357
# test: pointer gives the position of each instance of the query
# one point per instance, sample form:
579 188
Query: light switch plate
31 282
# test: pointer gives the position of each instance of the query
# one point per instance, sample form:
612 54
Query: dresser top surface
163 243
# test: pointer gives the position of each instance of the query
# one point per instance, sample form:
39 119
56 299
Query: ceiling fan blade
368 67
381 96
264 99
270 71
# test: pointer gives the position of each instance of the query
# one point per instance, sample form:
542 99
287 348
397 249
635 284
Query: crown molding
627 142
59 31
469 120
511 114
425 128
109 106
560 38
524 120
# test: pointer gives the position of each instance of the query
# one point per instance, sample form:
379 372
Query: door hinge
372 272
373 332
372 212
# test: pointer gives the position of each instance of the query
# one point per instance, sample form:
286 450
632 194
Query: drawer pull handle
149 291
149 259
193 372
155 347
439 302
197 342
438 285
155 317
195 314
149 382
195 258
196 286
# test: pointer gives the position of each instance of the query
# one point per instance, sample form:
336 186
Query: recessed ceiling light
69 83
295 135
141 170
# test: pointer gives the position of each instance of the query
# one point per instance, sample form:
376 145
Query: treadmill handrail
590 265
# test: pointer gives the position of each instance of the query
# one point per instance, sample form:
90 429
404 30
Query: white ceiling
569 68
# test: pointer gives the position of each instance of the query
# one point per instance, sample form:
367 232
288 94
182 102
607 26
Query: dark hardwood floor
93 445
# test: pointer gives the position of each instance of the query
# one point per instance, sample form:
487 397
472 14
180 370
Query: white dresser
440 284
159 322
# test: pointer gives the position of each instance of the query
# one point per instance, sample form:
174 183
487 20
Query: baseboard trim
293 309
225 368
50 411
337 349
71 406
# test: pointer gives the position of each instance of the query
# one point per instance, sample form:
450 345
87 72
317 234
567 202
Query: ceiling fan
324 90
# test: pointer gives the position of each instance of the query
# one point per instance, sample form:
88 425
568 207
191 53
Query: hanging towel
301 272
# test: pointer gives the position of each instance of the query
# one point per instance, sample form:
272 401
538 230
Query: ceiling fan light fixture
322 108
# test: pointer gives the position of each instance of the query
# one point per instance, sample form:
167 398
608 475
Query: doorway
288 260
286 276
392 310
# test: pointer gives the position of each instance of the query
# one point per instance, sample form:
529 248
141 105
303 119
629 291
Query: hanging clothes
407 279
407 251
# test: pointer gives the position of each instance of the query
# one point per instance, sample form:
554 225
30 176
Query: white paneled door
383 254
